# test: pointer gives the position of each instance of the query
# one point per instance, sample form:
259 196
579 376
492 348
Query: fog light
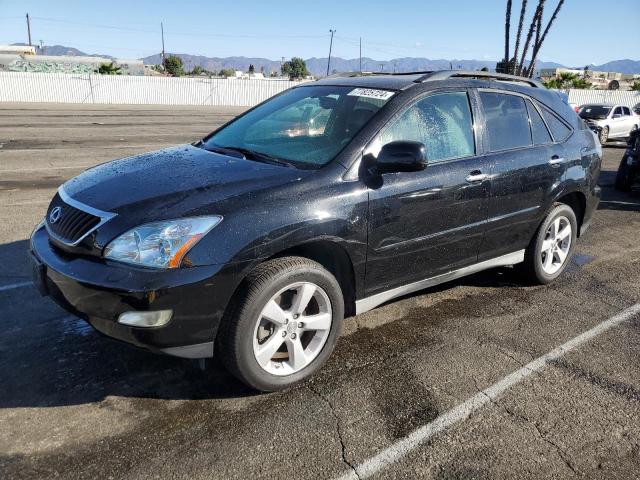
146 319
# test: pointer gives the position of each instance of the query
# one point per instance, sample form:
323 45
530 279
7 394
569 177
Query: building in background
14 58
598 80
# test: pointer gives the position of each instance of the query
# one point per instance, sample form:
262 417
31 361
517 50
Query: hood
172 176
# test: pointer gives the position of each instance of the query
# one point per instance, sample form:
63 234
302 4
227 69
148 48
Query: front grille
68 223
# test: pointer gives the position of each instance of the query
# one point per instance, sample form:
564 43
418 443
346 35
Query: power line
188 34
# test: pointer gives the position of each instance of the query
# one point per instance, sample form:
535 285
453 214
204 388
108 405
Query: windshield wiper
258 156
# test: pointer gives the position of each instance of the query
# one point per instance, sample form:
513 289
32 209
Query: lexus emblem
55 214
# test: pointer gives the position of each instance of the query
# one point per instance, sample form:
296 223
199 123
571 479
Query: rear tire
283 325
550 250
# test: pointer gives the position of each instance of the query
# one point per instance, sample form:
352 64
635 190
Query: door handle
556 160
476 176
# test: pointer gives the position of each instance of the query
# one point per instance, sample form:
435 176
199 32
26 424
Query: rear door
629 120
527 166
618 123
425 223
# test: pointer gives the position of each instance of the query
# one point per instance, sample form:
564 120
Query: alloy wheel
292 328
556 245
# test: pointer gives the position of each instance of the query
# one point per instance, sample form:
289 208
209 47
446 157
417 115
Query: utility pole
360 54
162 33
29 28
330 46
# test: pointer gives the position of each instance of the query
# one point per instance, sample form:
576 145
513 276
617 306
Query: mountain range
318 66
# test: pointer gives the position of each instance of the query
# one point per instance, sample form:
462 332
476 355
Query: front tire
550 249
283 326
604 135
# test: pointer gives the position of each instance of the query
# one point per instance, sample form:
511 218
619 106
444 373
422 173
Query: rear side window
538 128
559 129
626 111
507 121
442 122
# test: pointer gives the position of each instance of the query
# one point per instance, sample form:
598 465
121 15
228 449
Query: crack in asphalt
343 447
562 454
626 391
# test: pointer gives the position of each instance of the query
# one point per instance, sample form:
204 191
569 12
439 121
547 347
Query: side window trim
539 106
477 150
561 120
531 101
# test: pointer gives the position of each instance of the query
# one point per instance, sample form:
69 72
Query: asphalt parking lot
76 405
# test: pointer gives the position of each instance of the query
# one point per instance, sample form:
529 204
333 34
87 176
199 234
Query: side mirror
401 156
616 115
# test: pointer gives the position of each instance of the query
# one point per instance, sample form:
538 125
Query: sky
584 32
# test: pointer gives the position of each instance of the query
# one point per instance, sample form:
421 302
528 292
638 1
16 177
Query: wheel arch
328 253
336 259
577 200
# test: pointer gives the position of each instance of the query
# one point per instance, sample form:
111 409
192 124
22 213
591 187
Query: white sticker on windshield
371 93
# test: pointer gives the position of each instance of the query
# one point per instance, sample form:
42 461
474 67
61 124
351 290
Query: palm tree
523 10
507 26
540 41
511 64
532 29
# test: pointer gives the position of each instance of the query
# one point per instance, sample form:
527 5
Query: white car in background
609 121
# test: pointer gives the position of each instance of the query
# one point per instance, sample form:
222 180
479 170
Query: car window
594 112
618 111
538 129
506 120
442 122
559 129
626 111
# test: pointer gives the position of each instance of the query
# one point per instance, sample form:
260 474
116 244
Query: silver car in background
609 121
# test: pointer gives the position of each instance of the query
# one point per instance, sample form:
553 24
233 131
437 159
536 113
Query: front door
422 224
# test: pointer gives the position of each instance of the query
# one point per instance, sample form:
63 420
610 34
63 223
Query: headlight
160 244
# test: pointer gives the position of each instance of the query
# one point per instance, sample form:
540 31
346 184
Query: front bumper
100 291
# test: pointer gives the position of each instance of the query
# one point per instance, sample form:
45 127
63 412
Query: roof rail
367 74
446 74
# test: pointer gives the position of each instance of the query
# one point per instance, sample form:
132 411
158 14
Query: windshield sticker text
371 93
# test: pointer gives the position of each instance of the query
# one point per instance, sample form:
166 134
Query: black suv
327 200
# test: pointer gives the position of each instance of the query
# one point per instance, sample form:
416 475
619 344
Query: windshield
595 112
305 126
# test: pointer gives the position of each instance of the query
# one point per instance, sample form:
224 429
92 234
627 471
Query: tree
198 70
507 27
567 80
295 68
252 69
636 85
173 65
109 69
536 35
227 72
540 38
523 10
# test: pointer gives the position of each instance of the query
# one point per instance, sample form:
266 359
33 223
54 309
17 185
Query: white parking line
14 285
404 446
22 204
48 168
617 202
